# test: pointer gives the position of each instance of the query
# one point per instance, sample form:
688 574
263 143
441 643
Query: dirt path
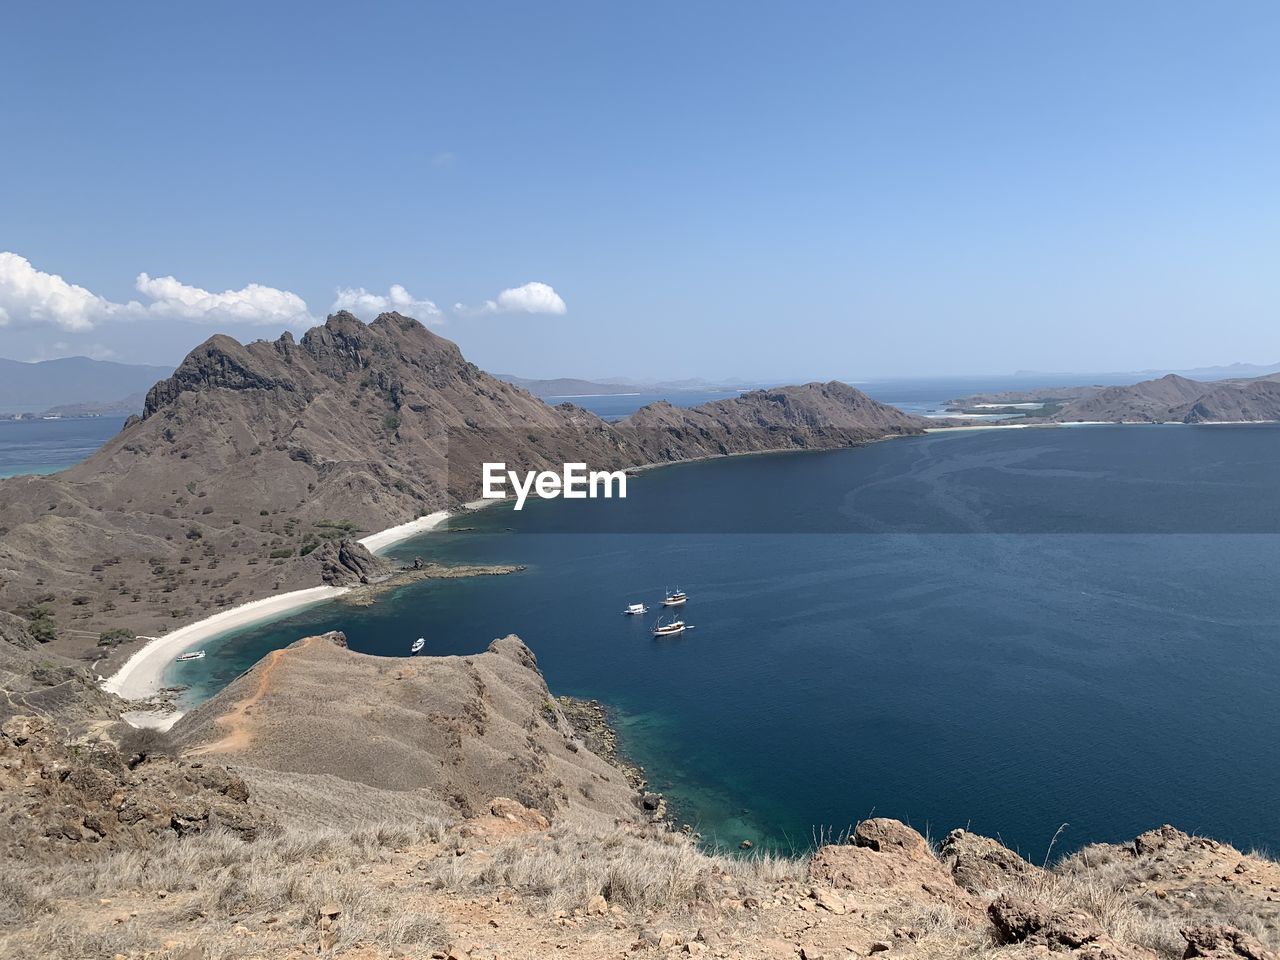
237 720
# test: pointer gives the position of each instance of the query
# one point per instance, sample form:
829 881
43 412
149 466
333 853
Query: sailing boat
676 599
672 629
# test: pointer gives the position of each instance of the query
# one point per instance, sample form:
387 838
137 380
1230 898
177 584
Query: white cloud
254 304
368 305
531 298
30 296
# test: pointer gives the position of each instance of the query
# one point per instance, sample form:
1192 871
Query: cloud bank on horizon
31 297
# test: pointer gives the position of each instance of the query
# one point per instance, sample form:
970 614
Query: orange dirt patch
237 720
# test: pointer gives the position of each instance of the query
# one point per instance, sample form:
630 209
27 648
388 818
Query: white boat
418 645
676 599
634 609
193 655
672 629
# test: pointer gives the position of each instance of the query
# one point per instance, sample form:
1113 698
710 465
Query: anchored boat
672 629
193 655
635 609
417 646
676 599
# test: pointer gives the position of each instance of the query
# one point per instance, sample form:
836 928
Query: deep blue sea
47 446
1005 630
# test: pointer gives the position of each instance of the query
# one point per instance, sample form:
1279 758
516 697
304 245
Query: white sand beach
987 426
393 535
142 675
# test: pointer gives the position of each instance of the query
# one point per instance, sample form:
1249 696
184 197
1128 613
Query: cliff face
252 464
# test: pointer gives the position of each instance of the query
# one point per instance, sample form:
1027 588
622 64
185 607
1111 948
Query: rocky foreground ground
123 852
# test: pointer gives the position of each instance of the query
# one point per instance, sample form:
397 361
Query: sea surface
1004 630
47 446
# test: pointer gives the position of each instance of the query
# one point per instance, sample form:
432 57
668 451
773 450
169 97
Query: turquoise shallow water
1007 630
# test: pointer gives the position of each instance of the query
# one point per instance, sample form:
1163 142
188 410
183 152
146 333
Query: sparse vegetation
41 623
115 637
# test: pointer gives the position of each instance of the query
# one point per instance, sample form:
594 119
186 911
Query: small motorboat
672 629
417 646
193 655
635 609
676 599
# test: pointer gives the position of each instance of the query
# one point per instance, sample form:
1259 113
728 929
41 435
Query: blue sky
772 191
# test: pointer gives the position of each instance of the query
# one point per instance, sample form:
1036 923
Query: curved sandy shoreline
142 675
405 531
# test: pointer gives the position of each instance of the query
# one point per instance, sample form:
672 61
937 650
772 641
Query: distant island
1168 399
575 387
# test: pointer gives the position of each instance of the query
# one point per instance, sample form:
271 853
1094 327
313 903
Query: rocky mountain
249 459
1148 401
1251 400
71 381
808 417
1174 399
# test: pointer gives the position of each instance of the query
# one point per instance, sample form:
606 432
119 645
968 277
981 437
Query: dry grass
280 881
285 875
636 871
1105 881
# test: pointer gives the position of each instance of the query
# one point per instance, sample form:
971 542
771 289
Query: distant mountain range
98 386
575 387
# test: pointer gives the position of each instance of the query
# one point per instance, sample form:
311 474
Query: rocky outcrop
885 853
345 562
979 863
14 631
1221 942
1060 930
55 798
37 680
